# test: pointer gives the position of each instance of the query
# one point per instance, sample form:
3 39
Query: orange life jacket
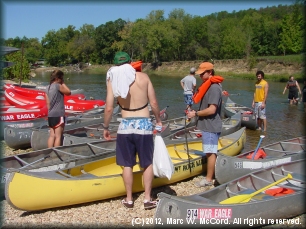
198 95
279 191
137 65
260 154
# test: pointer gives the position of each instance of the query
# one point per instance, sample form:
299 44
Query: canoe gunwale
97 182
228 168
248 120
261 206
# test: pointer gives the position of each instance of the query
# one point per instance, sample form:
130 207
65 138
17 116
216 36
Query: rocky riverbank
179 68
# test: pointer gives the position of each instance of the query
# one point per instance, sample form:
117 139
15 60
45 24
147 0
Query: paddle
187 141
244 198
261 137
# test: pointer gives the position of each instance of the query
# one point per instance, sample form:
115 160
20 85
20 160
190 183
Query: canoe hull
204 208
24 124
229 126
243 216
52 159
96 177
68 192
248 118
229 168
73 133
17 135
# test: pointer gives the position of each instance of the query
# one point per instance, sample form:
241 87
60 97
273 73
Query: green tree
50 43
33 50
139 39
81 47
291 36
197 33
214 40
32 47
233 40
128 43
246 24
247 33
156 34
20 69
55 45
88 29
14 42
105 36
176 39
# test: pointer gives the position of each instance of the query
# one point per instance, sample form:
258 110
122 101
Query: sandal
149 204
203 183
127 204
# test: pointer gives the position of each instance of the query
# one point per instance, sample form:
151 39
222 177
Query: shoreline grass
279 77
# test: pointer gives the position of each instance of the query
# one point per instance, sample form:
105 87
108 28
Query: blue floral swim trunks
135 136
135 126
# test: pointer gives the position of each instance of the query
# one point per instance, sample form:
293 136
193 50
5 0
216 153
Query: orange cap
204 67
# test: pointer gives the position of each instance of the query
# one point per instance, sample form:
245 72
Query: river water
284 121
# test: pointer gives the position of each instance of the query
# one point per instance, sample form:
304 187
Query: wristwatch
196 114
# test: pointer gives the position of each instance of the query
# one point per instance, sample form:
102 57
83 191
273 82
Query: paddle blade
244 198
237 199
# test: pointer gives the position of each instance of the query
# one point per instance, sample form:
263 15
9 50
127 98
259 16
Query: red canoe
19 113
71 104
39 94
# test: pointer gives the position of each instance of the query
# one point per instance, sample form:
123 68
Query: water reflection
283 120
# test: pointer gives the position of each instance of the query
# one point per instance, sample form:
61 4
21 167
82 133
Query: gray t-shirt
211 123
57 107
189 81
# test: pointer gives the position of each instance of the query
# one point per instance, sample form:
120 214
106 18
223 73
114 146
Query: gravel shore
100 214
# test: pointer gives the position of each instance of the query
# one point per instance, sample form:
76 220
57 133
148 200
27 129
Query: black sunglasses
204 72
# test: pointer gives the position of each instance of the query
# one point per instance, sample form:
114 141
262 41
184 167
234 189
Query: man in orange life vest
209 117
260 100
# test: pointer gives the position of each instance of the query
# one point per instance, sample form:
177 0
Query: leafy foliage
269 31
20 69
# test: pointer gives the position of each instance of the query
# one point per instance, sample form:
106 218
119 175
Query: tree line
270 31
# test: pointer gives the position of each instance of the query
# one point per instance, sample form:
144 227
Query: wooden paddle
244 198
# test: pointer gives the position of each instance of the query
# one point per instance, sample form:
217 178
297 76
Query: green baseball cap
121 58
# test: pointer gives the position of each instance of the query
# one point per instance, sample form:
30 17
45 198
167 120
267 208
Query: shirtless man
133 90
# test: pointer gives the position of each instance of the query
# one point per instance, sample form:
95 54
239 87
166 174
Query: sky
33 19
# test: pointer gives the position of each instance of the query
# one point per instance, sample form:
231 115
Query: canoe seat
225 142
272 157
195 132
87 175
227 125
53 175
198 199
197 152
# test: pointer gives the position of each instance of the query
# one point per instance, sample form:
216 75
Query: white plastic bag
162 163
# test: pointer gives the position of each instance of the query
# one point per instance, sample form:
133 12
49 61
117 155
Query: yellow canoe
102 179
